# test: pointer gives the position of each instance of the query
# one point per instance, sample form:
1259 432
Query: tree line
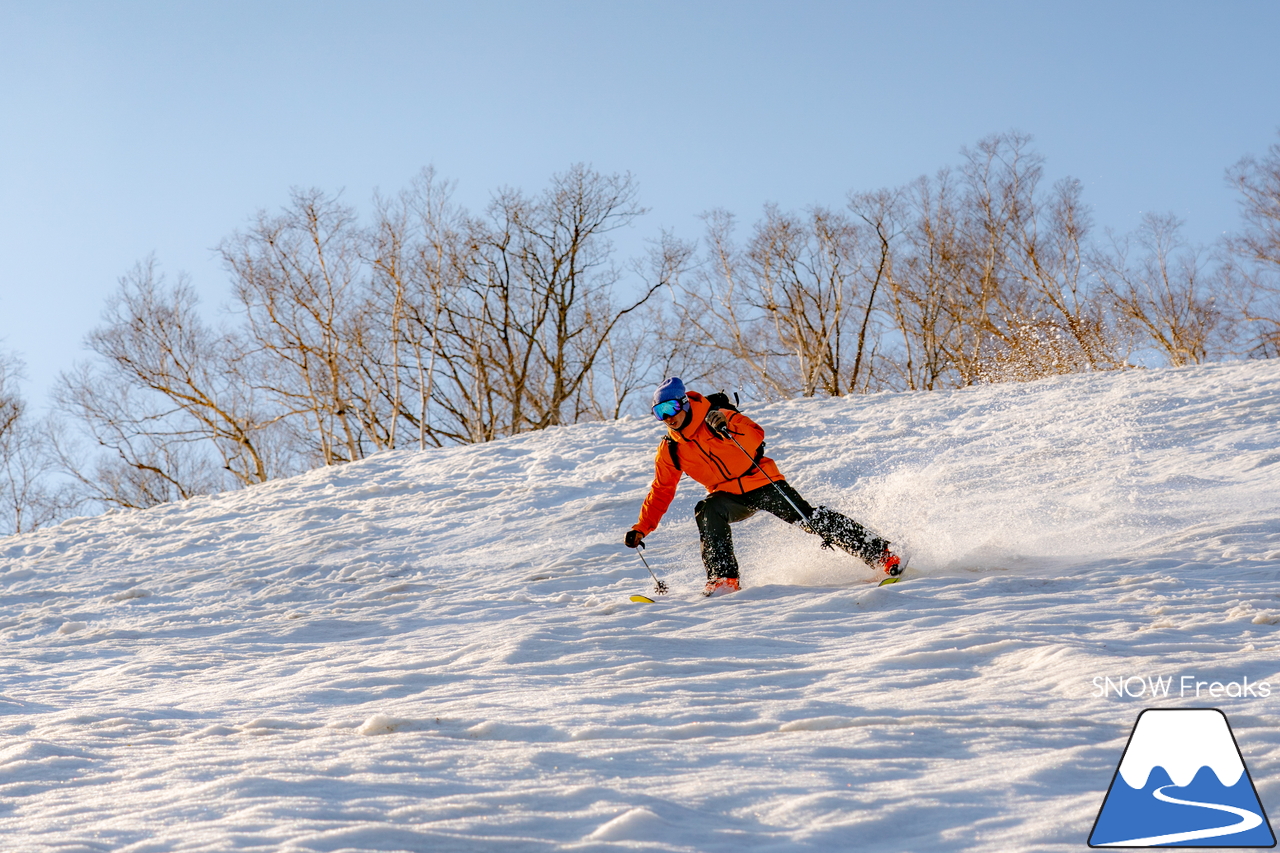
424 324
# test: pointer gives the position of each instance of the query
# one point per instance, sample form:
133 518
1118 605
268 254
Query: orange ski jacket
717 463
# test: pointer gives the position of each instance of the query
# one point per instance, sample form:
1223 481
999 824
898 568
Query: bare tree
714 324
1257 278
1166 295
436 376
506 322
415 251
645 347
431 325
1007 262
799 275
927 267
301 282
1059 324
538 304
880 213
168 399
781 314
147 459
12 406
30 496
1000 176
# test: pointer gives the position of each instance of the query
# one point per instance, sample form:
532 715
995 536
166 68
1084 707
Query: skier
700 442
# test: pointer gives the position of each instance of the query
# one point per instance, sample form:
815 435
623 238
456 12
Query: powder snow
436 651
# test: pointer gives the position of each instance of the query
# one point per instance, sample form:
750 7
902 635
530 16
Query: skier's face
678 420
673 413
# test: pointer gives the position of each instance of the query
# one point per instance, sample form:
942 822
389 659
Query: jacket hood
698 408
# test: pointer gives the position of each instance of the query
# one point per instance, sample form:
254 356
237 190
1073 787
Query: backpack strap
720 400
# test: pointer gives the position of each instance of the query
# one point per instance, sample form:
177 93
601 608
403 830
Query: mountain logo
1182 783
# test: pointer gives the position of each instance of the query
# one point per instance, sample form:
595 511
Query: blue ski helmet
672 389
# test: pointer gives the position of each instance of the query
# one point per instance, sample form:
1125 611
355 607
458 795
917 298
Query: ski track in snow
435 651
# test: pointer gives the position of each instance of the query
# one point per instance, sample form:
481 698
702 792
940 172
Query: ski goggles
669 408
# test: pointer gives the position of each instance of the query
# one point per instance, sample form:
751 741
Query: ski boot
720 586
890 562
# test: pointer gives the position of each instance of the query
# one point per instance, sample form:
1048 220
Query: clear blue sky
131 128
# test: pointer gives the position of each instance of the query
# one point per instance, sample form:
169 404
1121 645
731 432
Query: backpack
718 400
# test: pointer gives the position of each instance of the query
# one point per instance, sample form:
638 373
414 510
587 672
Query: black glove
718 422
634 538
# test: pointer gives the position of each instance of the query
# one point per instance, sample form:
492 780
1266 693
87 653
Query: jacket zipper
725 475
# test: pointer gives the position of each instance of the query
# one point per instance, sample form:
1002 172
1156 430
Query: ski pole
808 525
661 587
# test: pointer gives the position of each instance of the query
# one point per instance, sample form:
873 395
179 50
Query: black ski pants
718 510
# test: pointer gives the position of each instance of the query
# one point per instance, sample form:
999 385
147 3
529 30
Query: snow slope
435 651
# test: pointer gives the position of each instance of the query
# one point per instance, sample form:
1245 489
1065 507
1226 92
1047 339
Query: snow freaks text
1180 687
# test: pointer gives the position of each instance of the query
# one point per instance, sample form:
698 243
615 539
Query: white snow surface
435 651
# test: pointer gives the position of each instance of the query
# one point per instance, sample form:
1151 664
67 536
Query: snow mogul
723 449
